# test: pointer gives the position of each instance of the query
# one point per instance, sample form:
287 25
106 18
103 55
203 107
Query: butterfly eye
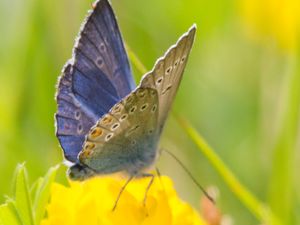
133 108
96 132
133 142
77 115
123 117
159 80
143 107
168 70
115 126
109 136
154 107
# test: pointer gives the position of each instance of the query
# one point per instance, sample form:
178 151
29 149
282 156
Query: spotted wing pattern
125 138
72 120
95 79
166 75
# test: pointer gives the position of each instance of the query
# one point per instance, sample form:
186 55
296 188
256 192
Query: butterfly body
104 123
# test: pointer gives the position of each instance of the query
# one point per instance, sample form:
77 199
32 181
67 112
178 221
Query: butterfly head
79 172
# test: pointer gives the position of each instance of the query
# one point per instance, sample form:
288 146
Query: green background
232 93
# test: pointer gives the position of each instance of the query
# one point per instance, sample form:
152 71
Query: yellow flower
91 202
277 19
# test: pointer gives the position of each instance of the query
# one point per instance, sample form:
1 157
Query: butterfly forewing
72 120
96 78
128 135
167 73
101 32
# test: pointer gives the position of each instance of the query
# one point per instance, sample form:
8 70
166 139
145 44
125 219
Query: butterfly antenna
190 175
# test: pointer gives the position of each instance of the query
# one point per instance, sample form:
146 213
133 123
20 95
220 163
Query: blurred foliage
28 204
241 93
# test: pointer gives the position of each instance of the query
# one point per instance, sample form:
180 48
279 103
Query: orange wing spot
96 132
88 146
85 154
117 109
106 120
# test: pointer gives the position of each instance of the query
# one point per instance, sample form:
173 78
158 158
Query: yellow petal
91 202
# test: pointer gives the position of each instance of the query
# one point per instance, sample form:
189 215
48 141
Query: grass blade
9 214
43 193
136 61
22 196
35 187
258 209
284 174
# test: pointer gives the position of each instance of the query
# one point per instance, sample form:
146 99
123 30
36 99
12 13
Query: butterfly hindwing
166 75
96 78
126 137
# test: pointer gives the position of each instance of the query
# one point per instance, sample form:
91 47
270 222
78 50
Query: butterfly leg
148 186
121 191
158 172
159 176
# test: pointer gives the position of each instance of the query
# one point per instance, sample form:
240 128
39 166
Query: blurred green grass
231 92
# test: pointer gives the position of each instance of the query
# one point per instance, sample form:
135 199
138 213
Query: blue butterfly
104 123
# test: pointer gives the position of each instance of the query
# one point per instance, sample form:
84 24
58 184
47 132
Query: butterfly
104 122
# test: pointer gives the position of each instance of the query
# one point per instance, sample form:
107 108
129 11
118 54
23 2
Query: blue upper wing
96 78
